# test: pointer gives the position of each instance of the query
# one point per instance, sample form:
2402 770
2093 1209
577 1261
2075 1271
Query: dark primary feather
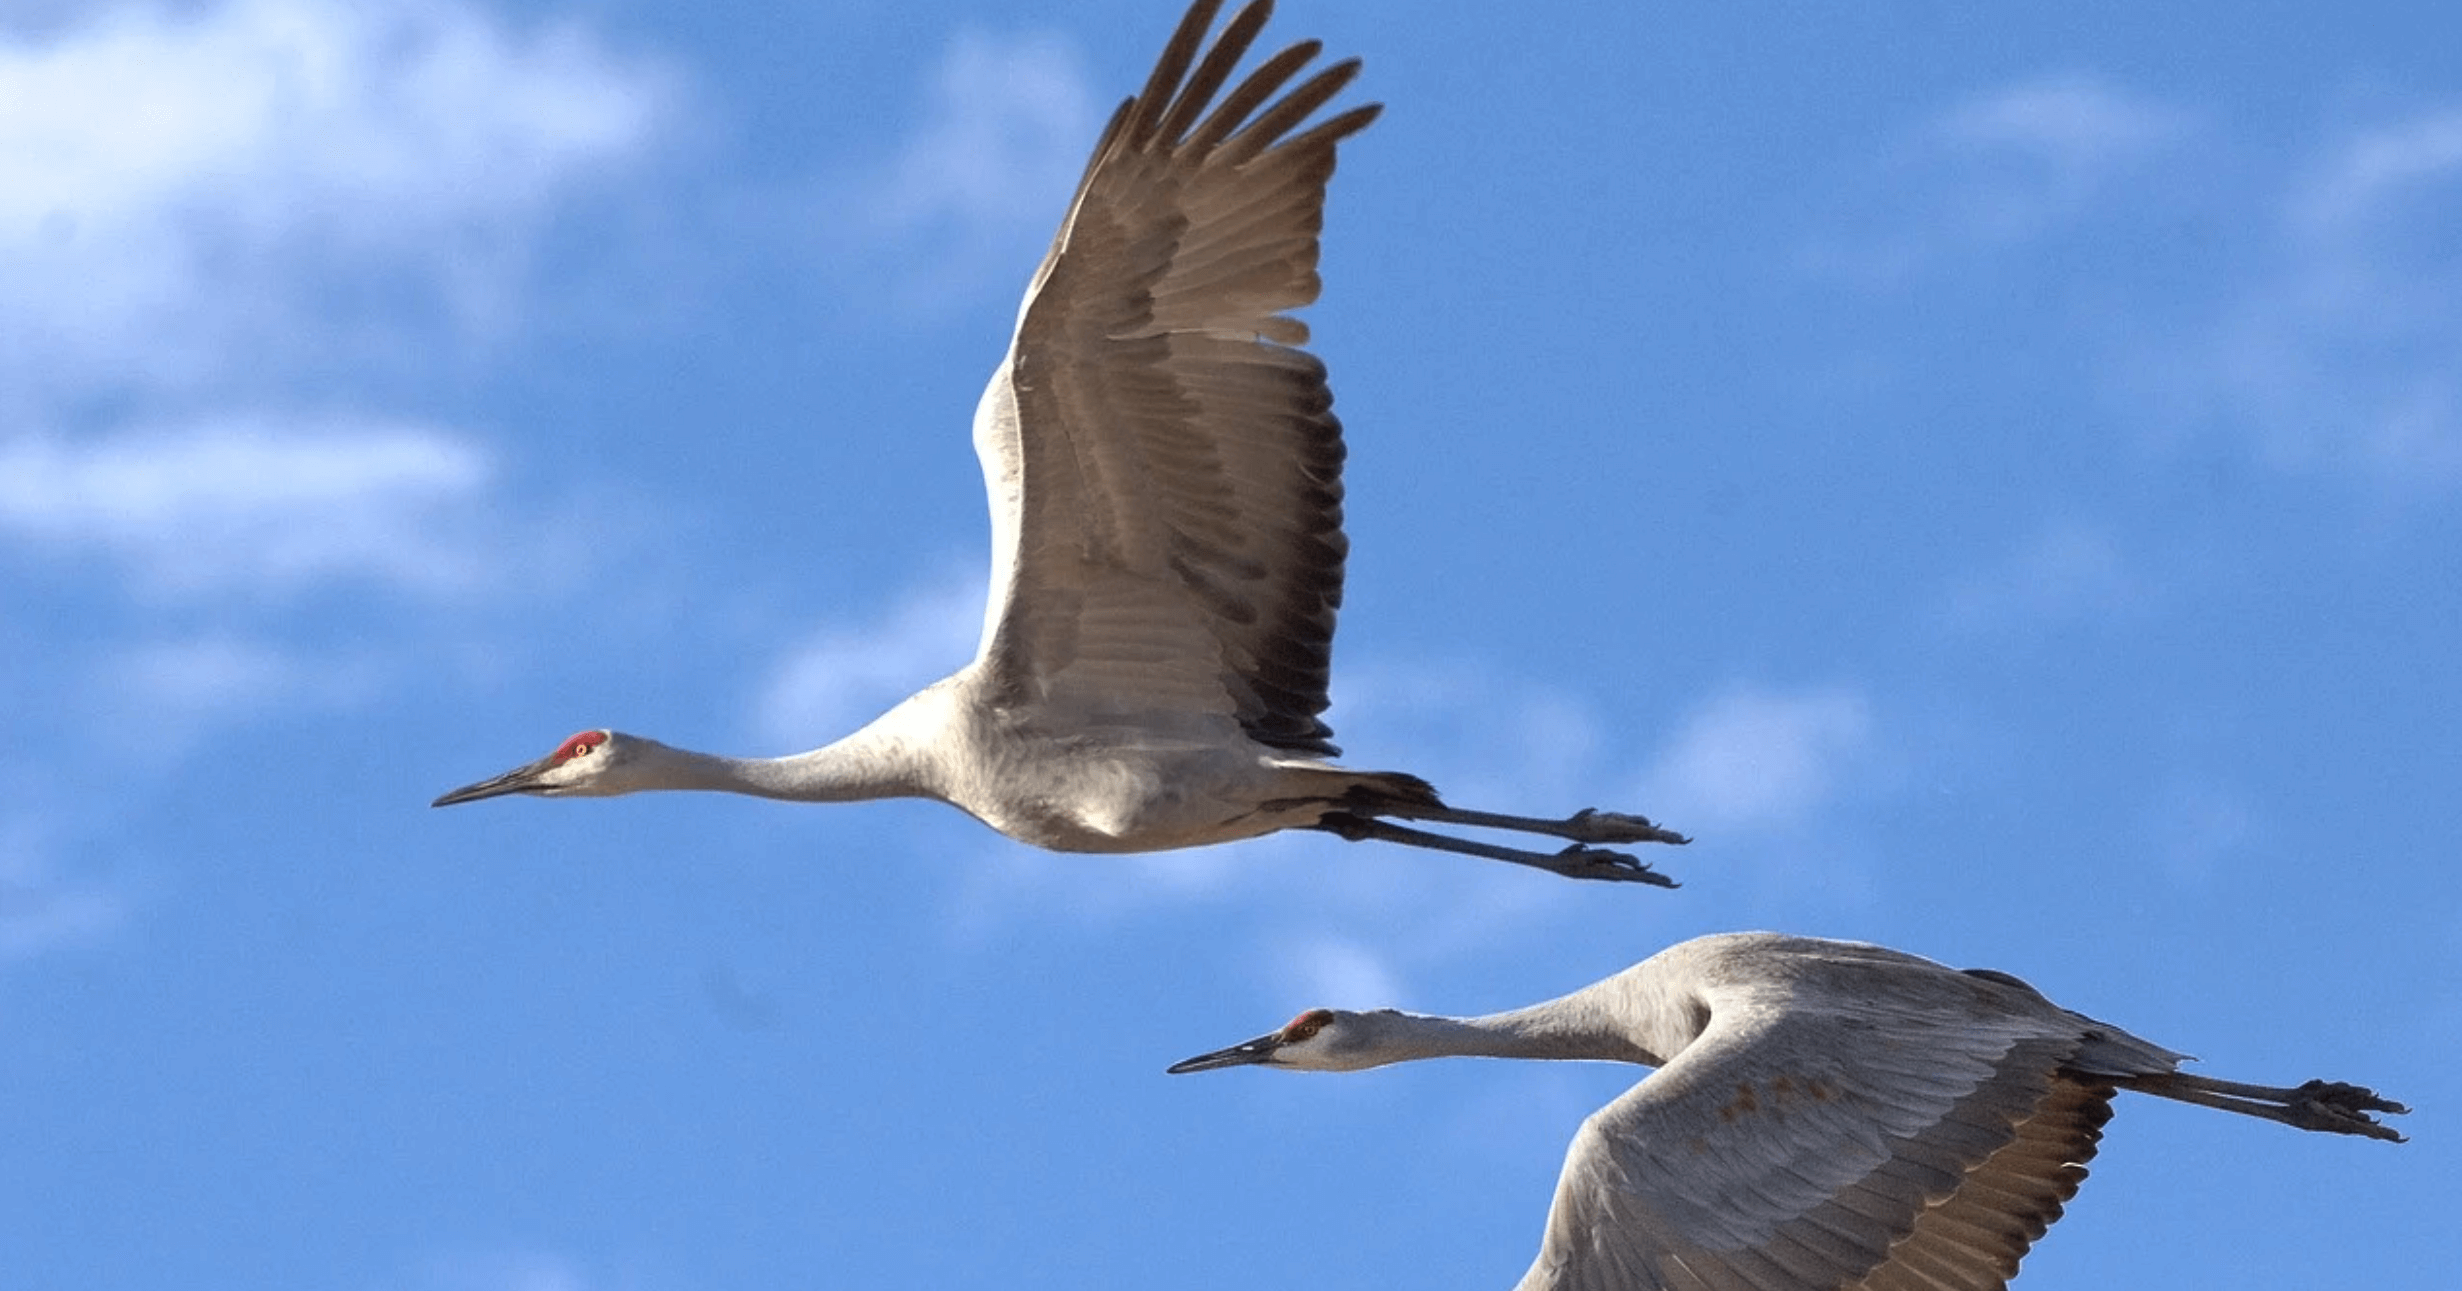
1179 457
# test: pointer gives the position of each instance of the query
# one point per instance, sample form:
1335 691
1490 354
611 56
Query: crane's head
1317 1040
588 765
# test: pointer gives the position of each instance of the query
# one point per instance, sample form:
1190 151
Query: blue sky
1995 477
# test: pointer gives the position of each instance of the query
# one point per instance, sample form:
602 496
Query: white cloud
979 186
179 186
257 503
845 677
1754 759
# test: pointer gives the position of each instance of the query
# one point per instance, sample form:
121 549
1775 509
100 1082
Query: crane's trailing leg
1589 825
1580 861
2327 1105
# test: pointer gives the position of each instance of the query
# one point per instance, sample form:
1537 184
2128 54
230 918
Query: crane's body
1165 478
1135 789
1825 1114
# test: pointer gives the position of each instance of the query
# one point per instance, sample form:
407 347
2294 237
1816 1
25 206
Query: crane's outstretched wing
1810 1151
1164 466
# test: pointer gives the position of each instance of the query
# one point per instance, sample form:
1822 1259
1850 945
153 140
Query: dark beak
1255 1052
518 780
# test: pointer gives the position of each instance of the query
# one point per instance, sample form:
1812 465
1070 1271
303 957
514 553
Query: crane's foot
1590 825
2338 1108
1582 861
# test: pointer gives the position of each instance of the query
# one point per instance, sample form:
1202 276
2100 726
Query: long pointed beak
522 779
1255 1052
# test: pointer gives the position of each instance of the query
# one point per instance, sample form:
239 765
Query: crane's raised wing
1795 1150
1164 466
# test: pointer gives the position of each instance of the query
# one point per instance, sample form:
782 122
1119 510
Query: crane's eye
586 742
1306 1025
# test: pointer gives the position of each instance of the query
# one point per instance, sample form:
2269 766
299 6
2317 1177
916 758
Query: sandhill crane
1826 1115
1165 475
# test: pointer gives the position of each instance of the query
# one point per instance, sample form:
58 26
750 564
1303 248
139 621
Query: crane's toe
1582 861
1591 825
2344 1109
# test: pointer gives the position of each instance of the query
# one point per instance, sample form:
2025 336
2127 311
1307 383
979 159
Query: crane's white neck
1573 1027
863 766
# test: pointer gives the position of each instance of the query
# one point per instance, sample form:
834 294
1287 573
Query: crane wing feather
1164 465
1793 1149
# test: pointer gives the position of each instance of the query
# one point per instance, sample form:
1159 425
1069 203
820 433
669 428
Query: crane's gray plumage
1825 1115
1165 478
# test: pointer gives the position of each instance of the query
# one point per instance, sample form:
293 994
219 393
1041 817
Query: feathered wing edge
1171 458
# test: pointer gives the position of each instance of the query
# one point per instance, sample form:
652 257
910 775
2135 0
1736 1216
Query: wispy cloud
169 693
181 186
2309 312
2384 167
2066 572
254 503
42 907
2343 354
1754 759
1004 885
977 187
502 1271
1999 170
1341 972
2031 157
2196 828
2083 125
848 674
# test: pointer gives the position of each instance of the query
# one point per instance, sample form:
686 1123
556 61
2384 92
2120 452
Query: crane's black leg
2327 1105
1588 825
1580 861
